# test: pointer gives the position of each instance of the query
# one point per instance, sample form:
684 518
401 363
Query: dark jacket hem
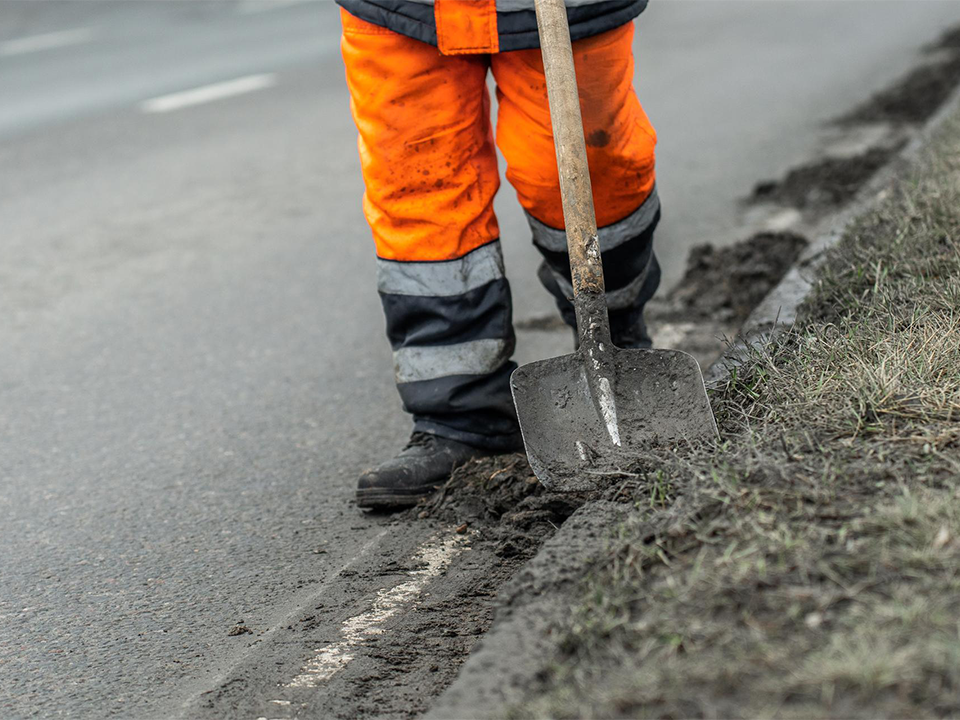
517 30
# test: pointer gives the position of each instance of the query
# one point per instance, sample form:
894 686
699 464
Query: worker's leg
620 149
428 159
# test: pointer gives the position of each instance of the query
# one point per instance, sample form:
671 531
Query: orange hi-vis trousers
430 168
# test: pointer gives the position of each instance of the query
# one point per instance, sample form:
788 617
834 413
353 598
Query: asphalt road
192 367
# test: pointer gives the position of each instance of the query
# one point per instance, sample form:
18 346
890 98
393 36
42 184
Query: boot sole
379 498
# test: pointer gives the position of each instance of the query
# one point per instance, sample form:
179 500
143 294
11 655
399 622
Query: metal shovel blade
584 416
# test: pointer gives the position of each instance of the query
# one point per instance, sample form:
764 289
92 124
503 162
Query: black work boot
416 472
632 336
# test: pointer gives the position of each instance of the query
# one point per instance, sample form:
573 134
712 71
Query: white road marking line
304 601
208 93
328 661
251 7
46 41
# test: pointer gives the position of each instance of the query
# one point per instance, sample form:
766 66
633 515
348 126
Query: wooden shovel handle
575 190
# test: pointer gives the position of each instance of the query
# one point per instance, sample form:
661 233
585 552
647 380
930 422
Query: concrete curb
512 654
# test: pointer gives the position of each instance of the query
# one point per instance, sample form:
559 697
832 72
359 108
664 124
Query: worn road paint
290 617
208 93
46 41
435 557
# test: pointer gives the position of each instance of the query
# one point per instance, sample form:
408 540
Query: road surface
192 367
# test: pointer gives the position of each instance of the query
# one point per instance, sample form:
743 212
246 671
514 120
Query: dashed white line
208 93
46 41
434 557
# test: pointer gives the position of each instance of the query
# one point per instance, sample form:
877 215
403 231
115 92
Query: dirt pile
725 284
502 500
825 183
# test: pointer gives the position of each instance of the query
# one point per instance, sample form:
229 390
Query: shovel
593 412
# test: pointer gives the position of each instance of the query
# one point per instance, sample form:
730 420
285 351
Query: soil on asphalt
825 183
503 502
384 659
725 284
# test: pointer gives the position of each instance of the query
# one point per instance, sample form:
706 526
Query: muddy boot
632 337
416 472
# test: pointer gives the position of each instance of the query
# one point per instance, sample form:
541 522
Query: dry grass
809 566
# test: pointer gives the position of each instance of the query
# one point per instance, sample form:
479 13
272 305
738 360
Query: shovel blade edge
572 441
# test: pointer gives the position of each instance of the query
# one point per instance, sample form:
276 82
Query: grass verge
808 566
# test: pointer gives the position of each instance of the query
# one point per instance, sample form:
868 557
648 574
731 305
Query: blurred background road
192 367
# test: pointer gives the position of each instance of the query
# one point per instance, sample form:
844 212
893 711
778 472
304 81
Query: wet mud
725 284
501 500
826 183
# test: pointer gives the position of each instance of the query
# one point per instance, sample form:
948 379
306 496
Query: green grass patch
808 565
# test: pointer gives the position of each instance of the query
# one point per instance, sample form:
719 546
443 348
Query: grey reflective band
441 279
618 299
610 236
479 357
